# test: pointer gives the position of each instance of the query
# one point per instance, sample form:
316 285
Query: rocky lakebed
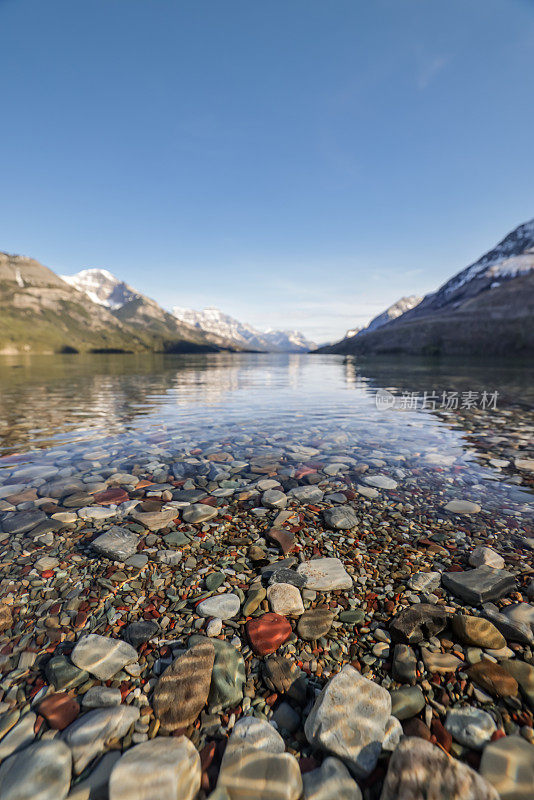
269 614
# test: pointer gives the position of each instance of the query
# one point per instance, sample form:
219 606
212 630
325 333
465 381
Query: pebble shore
253 618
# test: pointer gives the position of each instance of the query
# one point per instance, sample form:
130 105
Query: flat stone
349 719
520 613
272 498
284 539
6 617
285 575
367 491
137 633
352 617
380 481
267 633
23 521
340 518
101 697
523 674
331 780
493 679
214 581
182 690
160 768
485 556
325 574
306 494
525 463
419 770
96 512
508 765
470 726
424 581
155 520
477 631
90 734
315 622
41 771
249 732
404 664
199 512
478 585
102 657
283 676
227 677
418 623
253 600
462 507
222 606
407 702
285 599
440 663
59 710
117 543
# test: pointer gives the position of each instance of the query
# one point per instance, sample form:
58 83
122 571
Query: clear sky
298 163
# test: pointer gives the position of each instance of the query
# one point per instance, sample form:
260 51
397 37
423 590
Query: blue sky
298 163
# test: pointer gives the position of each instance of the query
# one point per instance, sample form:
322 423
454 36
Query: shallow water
62 408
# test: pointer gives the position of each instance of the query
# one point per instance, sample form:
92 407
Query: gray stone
407 702
88 736
418 623
117 543
380 481
470 726
343 518
63 675
512 630
160 768
424 581
199 512
228 675
102 657
19 737
485 556
223 606
331 781
101 697
272 498
476 586
524 675
285 599
462 507
40 772
95 786
404 664
23 521
155 520
306 494
256 733
325 574
137 633
285 575
349 720
508 765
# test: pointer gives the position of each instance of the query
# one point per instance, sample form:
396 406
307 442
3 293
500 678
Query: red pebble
59 710
268 632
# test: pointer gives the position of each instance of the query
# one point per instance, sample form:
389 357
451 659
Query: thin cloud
429 70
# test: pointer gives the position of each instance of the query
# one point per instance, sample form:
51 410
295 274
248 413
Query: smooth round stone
332 781
314 623
352 617
470 726
160 768
256 733
59 710
89 735
20 736
285 599
63 675
182 690
367 491
199 512
101 697
404 664
440 663
477 631
23 522
96 512
325 574
41 771
462 507
214 580
508 764
380 481
214 627
424 581
255 595
381 650
493 679
486 556
137 561
111 496
343 518
222 606
407 702
137 633
267 633
116 543
272 498
102 657
306 494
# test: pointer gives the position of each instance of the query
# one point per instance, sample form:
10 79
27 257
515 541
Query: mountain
213 321
486 309
43 313
396 310
102 287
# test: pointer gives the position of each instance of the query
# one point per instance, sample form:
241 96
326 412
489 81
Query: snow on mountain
394 311
102 287
212 320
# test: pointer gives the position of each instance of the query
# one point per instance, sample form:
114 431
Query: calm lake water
60 407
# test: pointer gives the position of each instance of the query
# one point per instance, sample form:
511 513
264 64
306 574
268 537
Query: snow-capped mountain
102 287
394 311
212 320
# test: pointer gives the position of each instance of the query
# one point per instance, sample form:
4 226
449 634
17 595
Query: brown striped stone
315 622
182 690
6 618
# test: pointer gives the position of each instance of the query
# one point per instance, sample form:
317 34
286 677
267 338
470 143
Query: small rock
508 765
477 631
222 606
340 518
117 543
199 512
285 599
325 574
418 623
164 768
407 702
315 622
331 780
478 585
462 507
102 657
267 633
485 556
59 710
493 678
41 771
470 726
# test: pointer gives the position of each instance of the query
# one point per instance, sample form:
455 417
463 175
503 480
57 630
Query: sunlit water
59 408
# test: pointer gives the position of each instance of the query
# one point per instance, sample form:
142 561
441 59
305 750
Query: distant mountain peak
102 287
